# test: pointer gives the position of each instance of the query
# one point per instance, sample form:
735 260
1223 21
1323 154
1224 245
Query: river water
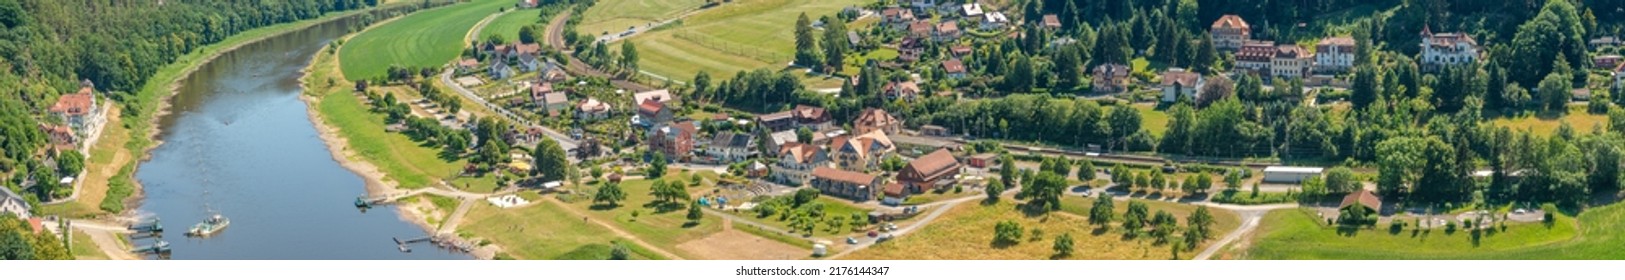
238 142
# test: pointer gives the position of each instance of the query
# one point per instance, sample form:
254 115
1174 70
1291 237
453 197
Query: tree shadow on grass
602 207
691 224
1098 231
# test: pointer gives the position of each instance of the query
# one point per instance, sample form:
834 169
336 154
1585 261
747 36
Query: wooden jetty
159 247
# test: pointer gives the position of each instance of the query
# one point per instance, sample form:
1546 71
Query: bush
1007 232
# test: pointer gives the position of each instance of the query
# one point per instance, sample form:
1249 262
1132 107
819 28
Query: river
238 142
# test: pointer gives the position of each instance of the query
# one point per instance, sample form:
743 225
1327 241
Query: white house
1178 82
1290 174
1334 55
1291 62
731 147
499 71
994 20
1445 49
971 10
11 203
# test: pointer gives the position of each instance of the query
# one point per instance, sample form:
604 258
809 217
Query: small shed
982 160
1290 174
1362 198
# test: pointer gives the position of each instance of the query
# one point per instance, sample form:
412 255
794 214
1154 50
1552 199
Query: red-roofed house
862 152
1052 22
894 194
876 119
796 162
847 184
946 31
1445 49
920 29
1229 32
932 171
652 113
907 90
954 68
79 111
675 140
62 137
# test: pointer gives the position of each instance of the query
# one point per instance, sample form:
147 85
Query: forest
48 47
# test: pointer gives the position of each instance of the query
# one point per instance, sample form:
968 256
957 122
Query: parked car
872 234
850 240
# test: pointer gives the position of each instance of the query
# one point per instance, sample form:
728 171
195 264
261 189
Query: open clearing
425 39
661 229
738 36
1577 117
1299 235
612 16
966 232
733 244
542 231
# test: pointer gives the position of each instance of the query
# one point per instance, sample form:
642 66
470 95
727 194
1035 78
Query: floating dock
159 247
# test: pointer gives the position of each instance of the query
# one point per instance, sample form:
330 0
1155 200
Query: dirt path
1250 217
616 230
555 38
106 239
941 208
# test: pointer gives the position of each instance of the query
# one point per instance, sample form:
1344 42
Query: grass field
665 230
611 16
1577 118
542 231
84 249
966 233
401 159
508 24
425 39
1298 235
738 36
832 208
1152 119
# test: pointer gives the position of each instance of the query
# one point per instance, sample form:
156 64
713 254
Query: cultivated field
738 36
1300 235
966 233
508 24
613 16
425 39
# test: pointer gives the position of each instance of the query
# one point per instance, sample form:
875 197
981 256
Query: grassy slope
1297 235
1577 117
966 232
540 231
664 230
1152 119
426 39
734 37
401 159
508 24
616 15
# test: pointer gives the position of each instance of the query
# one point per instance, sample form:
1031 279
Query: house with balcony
1334 55
1230 32
862 152
856 186
1446 49
796 162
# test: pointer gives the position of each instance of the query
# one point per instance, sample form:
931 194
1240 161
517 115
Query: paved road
456 217
555 38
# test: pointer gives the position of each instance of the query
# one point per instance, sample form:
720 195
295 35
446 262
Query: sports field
738 36
613 16
425 39
1595 234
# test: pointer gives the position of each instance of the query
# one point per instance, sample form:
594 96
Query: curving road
555 38
1250 216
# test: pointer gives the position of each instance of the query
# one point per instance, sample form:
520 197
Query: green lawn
1300 235
1577 118
1224 220
1152 119
425 39
542 231
84 249
664 230
966 233
401 159
833 207
613 16
738 36
508 24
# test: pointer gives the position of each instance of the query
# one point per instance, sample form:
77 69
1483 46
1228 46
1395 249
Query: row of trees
1137 218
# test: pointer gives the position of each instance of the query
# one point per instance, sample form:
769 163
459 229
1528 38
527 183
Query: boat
209 227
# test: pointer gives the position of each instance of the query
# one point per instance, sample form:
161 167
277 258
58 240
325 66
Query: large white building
1230 32
1290 174
1290 62
1445 49
1334 55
